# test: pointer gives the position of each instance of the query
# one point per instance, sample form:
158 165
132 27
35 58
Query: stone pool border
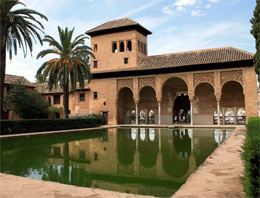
122 126
218 176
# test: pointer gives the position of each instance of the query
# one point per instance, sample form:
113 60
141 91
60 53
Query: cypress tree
255 31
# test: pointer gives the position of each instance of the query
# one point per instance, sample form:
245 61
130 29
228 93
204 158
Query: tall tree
71 66
19 28
255 31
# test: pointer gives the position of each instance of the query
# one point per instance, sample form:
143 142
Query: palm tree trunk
66 100
3 36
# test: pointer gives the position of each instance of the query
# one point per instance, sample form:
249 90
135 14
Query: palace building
212 86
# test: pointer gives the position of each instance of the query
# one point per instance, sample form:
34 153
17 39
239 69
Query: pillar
223 115
235 115
136 113
191 111
159 112
218 109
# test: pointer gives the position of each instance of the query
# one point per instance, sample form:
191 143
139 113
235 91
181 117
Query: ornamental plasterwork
150 81
236 75
203 77
121 83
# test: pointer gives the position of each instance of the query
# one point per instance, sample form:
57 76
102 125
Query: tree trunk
66 100
3 35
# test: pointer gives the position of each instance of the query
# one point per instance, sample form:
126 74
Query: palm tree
71 66
19 28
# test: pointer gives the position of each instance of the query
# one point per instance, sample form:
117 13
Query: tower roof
116 26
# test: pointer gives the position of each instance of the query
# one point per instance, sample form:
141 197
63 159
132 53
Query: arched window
114 47
129 46
122 46
151 117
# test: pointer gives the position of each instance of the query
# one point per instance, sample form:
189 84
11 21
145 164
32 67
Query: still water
143 161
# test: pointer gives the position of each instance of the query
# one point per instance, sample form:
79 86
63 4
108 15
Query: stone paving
219 177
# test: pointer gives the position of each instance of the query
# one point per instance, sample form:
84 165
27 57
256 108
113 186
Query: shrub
38 125
251 158
53 111
26 104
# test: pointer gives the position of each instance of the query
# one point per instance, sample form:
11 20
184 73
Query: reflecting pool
143 161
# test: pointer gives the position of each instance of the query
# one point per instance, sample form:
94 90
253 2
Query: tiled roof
190 58
12 79
119 23
208 56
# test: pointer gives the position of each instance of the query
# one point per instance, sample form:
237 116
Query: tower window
95 47
95 64
82 97
129 46
142 47
145 52
139 46
122 46
114 47
95 95
125 60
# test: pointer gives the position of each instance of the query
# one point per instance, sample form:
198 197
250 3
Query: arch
129 46
171 89
203 82
114 47
125 105
204 104
171 77
232 96
148 102
229 81
122 46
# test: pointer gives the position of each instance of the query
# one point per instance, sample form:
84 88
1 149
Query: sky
176 25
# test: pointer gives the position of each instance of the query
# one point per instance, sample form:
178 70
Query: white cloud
197 13
208 6
181 9
185 2
151 22
167 10
214 1
139 9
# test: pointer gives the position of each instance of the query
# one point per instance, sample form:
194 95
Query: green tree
71 66
255 31
27 104
19 28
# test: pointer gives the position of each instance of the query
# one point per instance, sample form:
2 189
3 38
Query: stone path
219 177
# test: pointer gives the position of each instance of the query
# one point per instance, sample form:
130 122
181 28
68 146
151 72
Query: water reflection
143 161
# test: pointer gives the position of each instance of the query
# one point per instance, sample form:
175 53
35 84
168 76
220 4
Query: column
159 112
191 111
223 116
235 115
218 109
136 113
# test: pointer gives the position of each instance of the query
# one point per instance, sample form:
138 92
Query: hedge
251 158
37 125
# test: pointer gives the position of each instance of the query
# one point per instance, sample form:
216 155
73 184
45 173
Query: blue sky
177 25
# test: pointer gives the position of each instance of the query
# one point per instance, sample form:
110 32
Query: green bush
251 158
38 125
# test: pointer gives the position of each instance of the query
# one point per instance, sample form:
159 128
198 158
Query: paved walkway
219 177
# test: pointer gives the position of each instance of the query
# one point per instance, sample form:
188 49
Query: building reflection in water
143 161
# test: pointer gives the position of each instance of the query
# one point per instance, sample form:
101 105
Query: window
82 154
95 64
142 47
125 60
95 47
95 95
82 97
129 46
139 46
95 156
122 46
56 99
145 49
114 47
